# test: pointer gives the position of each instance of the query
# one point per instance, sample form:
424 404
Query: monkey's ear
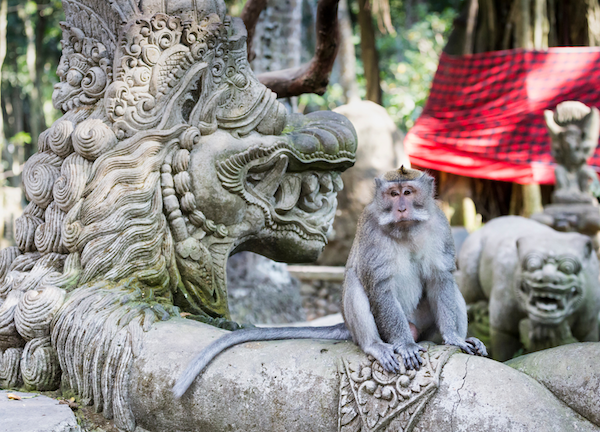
378 183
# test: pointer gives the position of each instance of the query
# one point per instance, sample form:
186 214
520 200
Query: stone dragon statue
170 156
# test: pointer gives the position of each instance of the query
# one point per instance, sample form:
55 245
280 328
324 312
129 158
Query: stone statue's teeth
326 183
288 193
268 186
310 183
311 203
548 307
338 183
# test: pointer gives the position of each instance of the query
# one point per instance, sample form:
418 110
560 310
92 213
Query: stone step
37 414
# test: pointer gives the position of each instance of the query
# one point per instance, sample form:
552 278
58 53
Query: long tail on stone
197 365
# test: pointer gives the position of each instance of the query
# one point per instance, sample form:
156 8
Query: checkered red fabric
484 116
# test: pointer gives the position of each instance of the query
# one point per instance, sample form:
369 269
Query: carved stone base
372 399
582 218
300 385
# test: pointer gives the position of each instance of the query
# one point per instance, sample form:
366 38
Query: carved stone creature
170 156
542 285
574 129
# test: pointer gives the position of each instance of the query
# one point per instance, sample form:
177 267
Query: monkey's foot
410 353
471 346
384 354
478 345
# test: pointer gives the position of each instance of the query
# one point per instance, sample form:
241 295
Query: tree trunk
40 60
368 50
3 25
531 24
471 23
346 55
36 114
277 39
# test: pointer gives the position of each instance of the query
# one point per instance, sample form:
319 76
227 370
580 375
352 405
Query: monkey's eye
394 193
407 192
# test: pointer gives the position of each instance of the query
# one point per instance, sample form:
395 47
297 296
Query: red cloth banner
484 116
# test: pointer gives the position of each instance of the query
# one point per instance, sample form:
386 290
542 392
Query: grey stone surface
477 394
38 414
262 291
459 234
570 372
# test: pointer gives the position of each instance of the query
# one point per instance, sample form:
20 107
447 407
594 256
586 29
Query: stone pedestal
332 386
576 217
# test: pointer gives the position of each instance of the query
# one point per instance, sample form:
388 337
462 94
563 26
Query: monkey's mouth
550 303
297 192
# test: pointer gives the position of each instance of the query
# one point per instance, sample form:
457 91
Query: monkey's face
404 204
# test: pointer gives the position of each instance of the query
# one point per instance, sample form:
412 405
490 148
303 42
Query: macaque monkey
398 288
399 285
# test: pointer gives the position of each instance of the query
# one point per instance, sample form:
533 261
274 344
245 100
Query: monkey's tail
197 365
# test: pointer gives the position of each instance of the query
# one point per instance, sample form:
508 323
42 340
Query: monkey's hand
478 346
410 352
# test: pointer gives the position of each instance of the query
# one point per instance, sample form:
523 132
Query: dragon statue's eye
74 78
533 262
569 265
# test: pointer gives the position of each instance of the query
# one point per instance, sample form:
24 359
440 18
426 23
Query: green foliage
407 60
408 63
42 48
21 138
45 17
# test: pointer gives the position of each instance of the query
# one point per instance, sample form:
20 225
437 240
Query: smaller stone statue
574 129
541 286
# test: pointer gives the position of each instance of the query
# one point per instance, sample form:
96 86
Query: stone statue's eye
74 78
533 263
569 265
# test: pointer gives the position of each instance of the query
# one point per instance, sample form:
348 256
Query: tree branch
313 76
250 14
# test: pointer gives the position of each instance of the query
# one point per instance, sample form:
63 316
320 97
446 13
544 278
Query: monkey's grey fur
399 271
